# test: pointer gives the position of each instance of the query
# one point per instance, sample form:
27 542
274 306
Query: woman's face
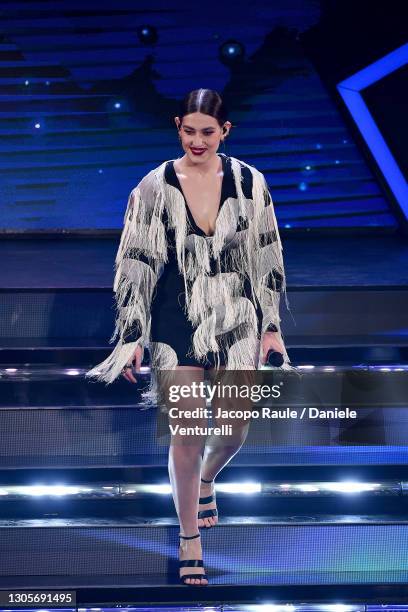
200 135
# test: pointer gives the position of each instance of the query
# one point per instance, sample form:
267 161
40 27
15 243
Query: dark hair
207 101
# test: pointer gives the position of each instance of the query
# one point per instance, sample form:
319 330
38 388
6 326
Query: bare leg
220 450
185 457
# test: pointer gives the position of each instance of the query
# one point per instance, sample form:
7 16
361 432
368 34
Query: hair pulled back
207 101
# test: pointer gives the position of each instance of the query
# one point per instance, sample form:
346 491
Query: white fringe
144 233
163 361
225 320
111 367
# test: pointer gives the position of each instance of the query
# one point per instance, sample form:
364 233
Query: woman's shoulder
152 179
251 177
245 166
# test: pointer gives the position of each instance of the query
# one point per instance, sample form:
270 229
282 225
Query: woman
199 273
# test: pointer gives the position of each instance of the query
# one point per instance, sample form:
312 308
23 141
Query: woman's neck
208 167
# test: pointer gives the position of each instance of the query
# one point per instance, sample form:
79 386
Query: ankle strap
202 480
190 537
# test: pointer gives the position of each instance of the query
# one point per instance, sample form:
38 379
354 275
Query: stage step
273 551
343 308
241 596
56 418
71 501
319 316
341 350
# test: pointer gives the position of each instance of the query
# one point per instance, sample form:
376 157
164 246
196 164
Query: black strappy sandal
192 563
207 500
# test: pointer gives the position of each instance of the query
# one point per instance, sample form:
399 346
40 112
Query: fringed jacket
244 249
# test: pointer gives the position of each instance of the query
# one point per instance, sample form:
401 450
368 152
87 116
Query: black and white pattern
228 277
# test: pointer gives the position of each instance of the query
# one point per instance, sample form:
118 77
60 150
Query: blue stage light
351 89
147 35
231 52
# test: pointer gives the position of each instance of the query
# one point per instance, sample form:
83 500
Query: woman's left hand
270 341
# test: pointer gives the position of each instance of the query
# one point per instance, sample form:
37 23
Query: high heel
207 500
192 563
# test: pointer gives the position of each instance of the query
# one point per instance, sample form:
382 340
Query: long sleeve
270 263
141 254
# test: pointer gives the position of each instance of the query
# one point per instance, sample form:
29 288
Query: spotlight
307 488
160 489
52 490
147 35
351 487
231 52
239 487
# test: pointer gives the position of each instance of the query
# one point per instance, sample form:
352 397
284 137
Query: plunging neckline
220 203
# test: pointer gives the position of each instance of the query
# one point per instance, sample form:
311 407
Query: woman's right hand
136 362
